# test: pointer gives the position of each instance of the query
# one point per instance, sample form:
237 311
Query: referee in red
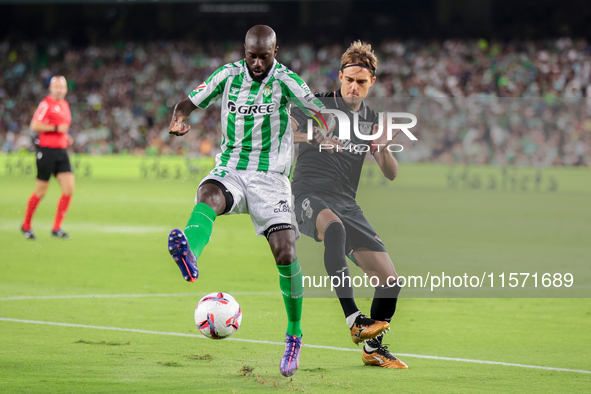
52 121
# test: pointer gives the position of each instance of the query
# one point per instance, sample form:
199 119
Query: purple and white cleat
178 247
291 358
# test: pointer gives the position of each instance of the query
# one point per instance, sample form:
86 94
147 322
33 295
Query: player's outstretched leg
179 249
186 247
199 227
290 281
377 354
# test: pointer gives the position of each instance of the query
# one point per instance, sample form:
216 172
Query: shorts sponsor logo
282 206
39 155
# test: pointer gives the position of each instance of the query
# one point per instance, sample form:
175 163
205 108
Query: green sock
290 282
199 227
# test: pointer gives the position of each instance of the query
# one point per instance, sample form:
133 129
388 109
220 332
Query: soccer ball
218 315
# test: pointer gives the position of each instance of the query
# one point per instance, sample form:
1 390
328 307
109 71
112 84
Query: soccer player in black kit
326 209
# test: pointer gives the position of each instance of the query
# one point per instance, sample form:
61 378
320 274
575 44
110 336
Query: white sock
351 318
369 349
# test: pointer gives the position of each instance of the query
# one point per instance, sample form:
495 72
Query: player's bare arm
388 164
181 112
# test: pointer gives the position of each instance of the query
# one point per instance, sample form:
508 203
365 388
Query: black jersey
336 174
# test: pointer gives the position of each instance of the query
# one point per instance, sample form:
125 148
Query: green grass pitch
122 317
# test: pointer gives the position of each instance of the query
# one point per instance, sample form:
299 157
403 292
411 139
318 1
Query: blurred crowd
524 103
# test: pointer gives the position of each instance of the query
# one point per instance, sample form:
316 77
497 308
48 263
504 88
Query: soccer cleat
60 234
382 358
29 234
365 328
178 247
291 358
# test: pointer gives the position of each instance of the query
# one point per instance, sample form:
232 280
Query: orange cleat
365 328
382 358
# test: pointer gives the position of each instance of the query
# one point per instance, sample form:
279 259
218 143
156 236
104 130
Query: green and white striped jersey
256 128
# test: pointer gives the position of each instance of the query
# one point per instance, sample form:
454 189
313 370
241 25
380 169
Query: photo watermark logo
361 131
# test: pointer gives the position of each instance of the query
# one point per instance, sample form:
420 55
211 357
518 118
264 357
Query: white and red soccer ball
218 315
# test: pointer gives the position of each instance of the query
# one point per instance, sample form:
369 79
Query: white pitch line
93 227
74 296
178 334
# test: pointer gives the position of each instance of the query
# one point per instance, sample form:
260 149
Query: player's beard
261 77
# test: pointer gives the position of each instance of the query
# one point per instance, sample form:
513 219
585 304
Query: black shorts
51 161
360 233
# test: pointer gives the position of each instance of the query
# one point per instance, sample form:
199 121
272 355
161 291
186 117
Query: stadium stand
522 103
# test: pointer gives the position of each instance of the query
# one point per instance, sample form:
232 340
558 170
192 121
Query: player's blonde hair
360 53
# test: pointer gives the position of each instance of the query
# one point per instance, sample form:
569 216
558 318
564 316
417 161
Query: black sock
335 260
374 343
384 303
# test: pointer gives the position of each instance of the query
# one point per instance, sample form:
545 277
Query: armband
373 148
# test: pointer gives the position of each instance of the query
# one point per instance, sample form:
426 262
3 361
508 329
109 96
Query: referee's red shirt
55 113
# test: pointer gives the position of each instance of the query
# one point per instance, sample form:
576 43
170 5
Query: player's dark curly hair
360 53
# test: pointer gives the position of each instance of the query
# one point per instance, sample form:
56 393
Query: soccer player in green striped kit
252 170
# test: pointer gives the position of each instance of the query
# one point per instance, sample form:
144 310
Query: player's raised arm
388 163
202 96
181 112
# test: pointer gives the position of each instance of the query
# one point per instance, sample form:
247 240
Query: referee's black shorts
360 233
51 161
